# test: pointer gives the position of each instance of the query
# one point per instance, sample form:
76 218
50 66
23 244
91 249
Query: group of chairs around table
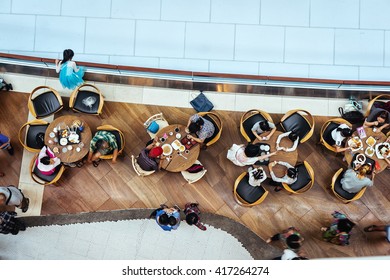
162 122
45 101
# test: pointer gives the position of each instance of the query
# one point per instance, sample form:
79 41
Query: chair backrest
138 169
247 195
248 119
120 139
41 179
32 129
194 177
44 101
78 100
326 132
305 179
217 122
300 121
340 193
382 98
159 119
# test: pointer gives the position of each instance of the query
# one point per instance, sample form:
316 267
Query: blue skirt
70 79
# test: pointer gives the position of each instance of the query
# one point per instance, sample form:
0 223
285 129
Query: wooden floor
110 186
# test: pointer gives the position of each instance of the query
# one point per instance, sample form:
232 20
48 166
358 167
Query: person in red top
192 212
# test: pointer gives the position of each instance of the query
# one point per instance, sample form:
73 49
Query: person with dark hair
13 196
339 231
242 155
384 228
167 218
192 212
71 76
151 157
201 127
103 143
47 161
256 176
5 144
292 136
263 130
5 85
339 134
290 176
10 224
378 119
353 181
291 238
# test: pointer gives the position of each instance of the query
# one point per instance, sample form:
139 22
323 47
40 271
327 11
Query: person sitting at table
290 176
378 118
353 181
339 135
201 127
292 136
256 176
151 157
249 155
103 143
261 128
47 161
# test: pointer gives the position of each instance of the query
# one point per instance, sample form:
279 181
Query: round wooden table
380 138
178 163
289 157
70 156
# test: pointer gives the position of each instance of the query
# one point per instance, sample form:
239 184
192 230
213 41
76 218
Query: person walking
10 224
71 76
291 238
13 196
192 212
339 231
5 144
384 228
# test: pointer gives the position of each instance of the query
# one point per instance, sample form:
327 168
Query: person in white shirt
47 161
339 134
242 155
256 176
263 130
290 177
292 136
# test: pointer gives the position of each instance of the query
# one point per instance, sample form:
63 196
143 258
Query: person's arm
285 164
114 155
340 149
383 127
270 134
58 66
6 143
293 147
195 138
90 154
256 135
369 124
263 157
280 137
74 66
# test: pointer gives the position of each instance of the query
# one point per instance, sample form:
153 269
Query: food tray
357 141
65 134
371 141
176 144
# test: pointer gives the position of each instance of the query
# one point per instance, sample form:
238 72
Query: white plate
266 148
52 135
178 135
372 140
378 153
355 140
74 138
167 149
63 141
64 149
368 153
176 144
70 147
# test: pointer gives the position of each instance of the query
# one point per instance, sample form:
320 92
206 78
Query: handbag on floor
201 103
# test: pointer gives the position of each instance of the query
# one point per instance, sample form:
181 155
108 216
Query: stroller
5 85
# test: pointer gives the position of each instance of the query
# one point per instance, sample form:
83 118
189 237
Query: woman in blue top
71 76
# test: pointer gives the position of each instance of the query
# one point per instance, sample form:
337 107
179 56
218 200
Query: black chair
29 139
42 179
249 119
300 121
305 179
44 101
340 193
326 138
247 195
78 99
217 122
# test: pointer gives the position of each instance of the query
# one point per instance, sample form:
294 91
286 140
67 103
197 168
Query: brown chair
217 122
341 194
300 121
247 195
305 179
44 101
41 179
247 121
378 100
138 169
120 139
80 94
326 132
29 138
159 120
